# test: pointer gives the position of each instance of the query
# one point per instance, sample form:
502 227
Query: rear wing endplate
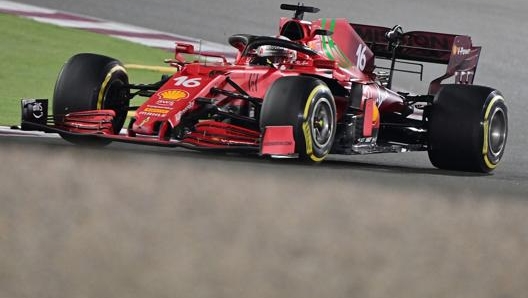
456 51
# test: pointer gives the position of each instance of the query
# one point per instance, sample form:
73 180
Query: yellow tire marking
306 124
105 82
485 126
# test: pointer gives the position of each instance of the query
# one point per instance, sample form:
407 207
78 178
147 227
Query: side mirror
323 32
184 48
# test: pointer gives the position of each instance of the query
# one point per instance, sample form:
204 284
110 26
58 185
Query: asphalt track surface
152 222
498 27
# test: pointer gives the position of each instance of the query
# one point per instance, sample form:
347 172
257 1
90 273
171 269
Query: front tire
468 128
91 82
306 104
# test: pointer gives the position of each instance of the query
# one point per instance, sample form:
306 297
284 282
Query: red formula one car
313 90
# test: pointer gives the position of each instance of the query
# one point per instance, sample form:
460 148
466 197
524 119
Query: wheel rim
322 123
497 131
115 98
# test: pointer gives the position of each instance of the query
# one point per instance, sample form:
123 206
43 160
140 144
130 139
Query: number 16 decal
185 81
361 57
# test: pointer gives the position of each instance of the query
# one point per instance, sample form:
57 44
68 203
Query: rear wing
456 51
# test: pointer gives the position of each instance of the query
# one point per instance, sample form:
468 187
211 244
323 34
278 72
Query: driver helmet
276 54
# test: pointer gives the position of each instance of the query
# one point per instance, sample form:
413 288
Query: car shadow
378 167
336 162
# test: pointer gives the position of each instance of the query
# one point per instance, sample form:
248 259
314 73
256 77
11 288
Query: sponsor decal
144 121
302 63
154 112
38 110
173 94
34 110
149 114
365 140
164 102
460 51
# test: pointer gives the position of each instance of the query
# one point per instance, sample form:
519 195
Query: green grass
33 53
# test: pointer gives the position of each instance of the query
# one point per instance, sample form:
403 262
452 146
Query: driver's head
276 54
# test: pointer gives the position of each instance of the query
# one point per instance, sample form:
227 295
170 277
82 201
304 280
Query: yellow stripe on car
163 69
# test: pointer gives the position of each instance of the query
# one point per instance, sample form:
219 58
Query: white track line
24 7
144 36
6 131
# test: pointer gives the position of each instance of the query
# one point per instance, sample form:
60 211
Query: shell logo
173 94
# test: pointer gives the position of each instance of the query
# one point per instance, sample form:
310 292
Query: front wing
93 125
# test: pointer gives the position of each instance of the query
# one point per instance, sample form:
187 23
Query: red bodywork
337 52
334 60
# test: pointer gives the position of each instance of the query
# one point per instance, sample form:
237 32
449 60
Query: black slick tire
307 104
468 128
91 82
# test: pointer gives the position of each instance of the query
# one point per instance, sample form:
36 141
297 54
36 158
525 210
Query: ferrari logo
144 121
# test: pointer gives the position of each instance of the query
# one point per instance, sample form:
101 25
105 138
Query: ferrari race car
312 90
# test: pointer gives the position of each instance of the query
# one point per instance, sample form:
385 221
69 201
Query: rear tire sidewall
463 132
306 104
91 82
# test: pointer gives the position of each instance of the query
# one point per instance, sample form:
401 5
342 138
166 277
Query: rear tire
468 128
306 104
91 82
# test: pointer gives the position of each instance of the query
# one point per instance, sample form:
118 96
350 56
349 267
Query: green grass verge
33 53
